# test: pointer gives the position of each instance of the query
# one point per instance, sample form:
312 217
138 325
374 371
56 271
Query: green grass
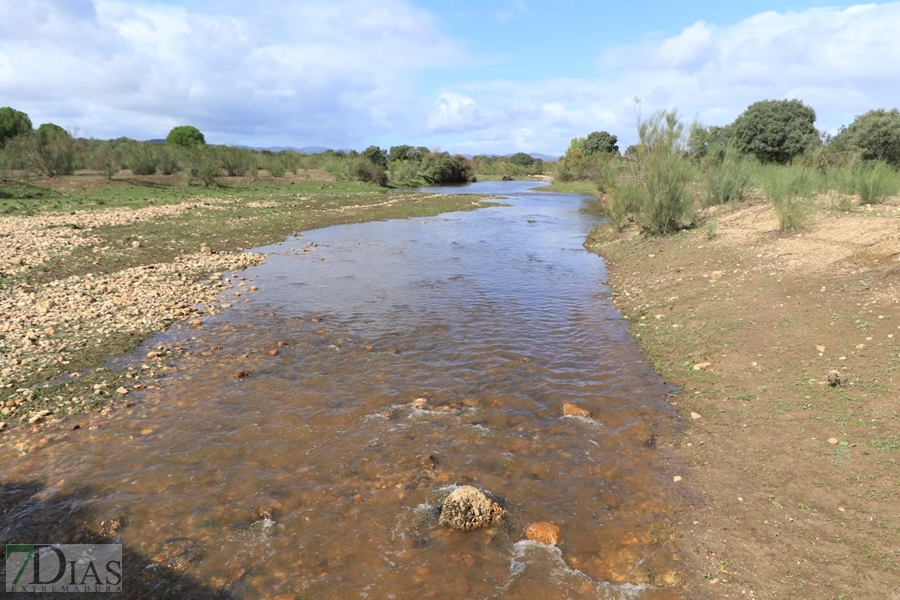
586 188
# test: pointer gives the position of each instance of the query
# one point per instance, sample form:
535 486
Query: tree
875 134
600 141
185 136
12 123
775 130
444 169
376 156
707 142
521 159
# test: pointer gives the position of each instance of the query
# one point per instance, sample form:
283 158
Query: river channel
305 441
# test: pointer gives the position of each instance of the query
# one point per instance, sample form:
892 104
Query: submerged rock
573 410
468 508
543 533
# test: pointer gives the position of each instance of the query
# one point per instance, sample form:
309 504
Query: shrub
365 170
658 177
874 182
522 159
726 181
50 150
775 130
275 166
376 156
141 158
185 136
443 169
105 158
789 190
13 123
237 162
166 160
876 135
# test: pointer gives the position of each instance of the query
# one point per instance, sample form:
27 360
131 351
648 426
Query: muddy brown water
320 475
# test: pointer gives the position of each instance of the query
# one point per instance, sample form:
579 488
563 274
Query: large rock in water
467 508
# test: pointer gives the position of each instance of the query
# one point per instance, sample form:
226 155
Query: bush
376 156
365 170
105 158
775 130
726 181
141 158
166 160
13 123
876 135
660 176
50 150
789 190
445 169
874 182
185 136
522 159
237 162
275 166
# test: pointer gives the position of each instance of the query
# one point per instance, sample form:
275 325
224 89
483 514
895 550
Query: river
305 442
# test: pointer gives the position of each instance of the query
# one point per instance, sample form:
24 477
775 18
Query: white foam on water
526 552
589 420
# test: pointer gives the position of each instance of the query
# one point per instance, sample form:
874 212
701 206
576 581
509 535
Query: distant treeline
52 151
770 131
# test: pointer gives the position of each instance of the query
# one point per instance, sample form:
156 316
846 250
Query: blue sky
464 76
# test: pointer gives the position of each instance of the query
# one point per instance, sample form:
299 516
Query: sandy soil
785 347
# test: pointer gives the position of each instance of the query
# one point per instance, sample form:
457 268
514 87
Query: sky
465 76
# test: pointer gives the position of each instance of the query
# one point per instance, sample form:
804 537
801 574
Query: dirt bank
785 347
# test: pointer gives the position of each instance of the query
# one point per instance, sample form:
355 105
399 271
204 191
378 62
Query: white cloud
346 73
296 72
841 62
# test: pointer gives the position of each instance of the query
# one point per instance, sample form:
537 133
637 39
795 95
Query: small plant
875 182
789 190
726 181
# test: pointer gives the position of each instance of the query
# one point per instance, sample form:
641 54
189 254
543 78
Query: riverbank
785 348
90 268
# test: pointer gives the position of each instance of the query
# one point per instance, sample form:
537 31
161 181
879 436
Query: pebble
273 352
38 416
122 390
241 374
695 416
702 366
677 478
832 441
543 532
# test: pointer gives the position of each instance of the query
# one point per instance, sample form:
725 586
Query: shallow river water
412 356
